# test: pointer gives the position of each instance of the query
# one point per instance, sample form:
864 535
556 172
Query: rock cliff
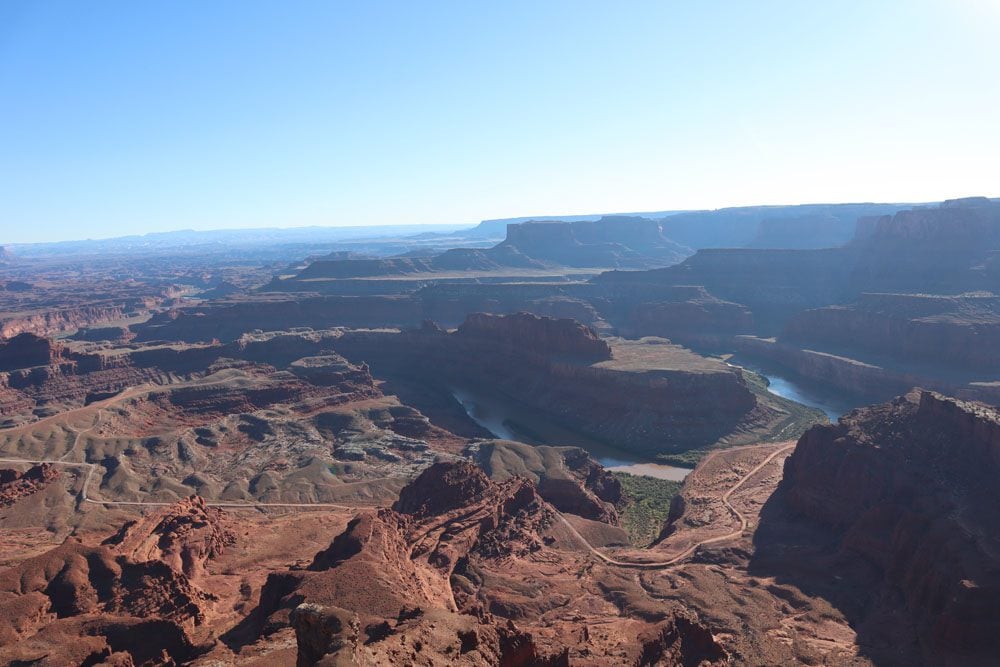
540 335
910 487
650 397
452 577
132 595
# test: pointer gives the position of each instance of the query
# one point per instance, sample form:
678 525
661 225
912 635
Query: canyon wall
50 322
650 397
910 486
953 331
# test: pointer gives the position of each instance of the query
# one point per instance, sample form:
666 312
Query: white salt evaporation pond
509 421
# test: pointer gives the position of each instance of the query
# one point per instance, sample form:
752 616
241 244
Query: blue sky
127 117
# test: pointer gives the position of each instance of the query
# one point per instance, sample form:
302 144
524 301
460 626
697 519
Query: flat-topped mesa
973 220
911 486
27 350
531 235
620 241
960 331
540 335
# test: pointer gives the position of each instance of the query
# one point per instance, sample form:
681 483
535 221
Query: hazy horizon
127 119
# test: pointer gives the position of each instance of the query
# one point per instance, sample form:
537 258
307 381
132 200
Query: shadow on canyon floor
795 551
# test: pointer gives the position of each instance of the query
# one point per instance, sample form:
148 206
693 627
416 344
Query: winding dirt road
661 565
128 393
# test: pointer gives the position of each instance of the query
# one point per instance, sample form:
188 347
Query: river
509 421
785 384
503 418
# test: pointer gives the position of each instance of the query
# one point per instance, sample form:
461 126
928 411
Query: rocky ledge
910 487
134 596
540 335
15 485
457 572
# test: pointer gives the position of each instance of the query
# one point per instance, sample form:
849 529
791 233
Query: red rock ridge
539 335
15 485
440 575
184 536
911 486
77 603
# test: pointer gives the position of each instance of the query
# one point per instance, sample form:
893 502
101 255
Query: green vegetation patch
647 506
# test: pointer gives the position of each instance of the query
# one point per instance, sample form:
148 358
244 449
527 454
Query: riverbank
509 421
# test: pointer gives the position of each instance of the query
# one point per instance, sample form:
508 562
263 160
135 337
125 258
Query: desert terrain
534 442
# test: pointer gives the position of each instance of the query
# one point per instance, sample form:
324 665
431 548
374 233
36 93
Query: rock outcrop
183 536
450 515
958 332
612 241
650 397
15 485
540 335
47 323
132 596
26 350
41 373
566 477
451 576
910 487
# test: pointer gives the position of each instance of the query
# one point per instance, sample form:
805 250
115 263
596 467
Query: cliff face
910 486
819 230
650 397
132 597
540 335
229 321
931 249
954 331
42 374
943 250
612 241
26 350
772 284
56 321
462 568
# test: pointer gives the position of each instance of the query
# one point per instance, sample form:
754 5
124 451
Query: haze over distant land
125 118
522 334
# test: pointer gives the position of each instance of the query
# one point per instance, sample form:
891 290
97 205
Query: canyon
278 453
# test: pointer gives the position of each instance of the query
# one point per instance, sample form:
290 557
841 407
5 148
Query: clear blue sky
126 117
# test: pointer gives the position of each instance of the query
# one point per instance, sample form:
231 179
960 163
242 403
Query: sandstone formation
55 321
566 477
134 596
767 226
27 350
612 241
428 564
649 397
540 335
909 487
963 330
15 485
183 536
